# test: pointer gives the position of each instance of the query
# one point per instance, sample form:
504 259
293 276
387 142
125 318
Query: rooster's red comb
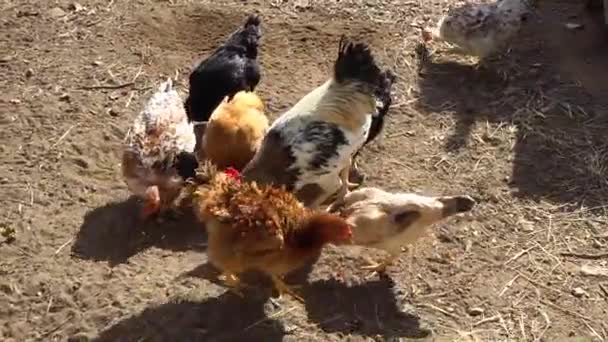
233 173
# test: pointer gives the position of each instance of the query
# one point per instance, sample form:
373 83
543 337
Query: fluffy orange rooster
234 131
262 228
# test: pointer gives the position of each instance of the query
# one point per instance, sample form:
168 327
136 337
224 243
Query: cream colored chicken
390 221
481 29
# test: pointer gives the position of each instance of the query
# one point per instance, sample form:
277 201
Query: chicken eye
406 218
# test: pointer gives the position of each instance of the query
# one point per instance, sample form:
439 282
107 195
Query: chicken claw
233 282
284 288
356 172
379 267
346 184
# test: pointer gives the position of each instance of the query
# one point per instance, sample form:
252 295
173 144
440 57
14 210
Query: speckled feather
159 133
322 147
481 29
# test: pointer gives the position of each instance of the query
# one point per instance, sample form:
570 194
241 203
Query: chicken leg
357 174
232 282
346 185
345 176
282 288
380 267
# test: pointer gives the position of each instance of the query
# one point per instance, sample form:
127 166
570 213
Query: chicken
234 131
263 228
481 29
233 67
390 221
309 148
384 101
158 155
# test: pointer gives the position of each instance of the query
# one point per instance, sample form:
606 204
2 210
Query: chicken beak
456 204
152 202
149 209
349 239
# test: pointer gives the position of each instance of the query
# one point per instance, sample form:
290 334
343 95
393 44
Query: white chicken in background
481 29
390 221
158 155
309 149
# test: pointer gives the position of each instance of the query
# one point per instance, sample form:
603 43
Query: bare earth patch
530 263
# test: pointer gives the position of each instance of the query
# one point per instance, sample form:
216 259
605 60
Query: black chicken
233 67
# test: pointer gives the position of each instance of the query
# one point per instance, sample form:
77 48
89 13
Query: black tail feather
187 108
384 95
356 63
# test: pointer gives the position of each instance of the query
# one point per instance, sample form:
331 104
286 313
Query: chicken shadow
559 126
367 309
114 233
208 272
224 318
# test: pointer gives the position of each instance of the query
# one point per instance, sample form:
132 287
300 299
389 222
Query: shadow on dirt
114 233
367 309
555 96
224 318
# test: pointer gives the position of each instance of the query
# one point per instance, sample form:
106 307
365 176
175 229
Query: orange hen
235 131
262 228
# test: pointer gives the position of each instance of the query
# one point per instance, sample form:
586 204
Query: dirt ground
530 263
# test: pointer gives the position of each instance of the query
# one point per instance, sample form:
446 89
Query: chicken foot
357 174
233 283
380 267
282 288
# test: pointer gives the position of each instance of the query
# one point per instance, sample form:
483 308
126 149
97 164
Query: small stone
579 292
574 26
97 63
56 12
113 112
594 271
64 97
475 311
27 14
6 59
15 101
76 7
29 73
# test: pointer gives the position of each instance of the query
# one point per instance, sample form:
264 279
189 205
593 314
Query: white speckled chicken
309 148
158 155
481 29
